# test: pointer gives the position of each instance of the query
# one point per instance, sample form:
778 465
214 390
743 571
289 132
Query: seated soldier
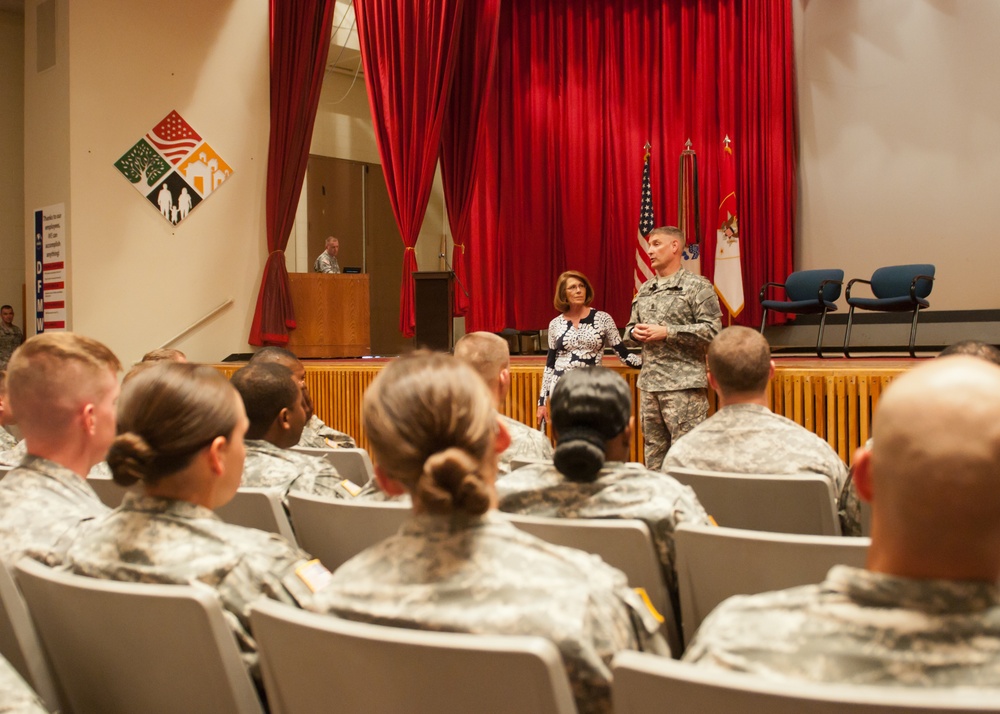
62 388
7 440
489 355
315 434
164 354
276 408
591 410
925 611
744 436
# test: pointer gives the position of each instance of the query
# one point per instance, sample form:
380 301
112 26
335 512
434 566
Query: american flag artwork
174 138
174 168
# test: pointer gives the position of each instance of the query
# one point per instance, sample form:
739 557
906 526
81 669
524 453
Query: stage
833 397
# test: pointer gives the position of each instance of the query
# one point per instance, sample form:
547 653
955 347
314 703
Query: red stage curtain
580 86
408 48
462 129
300 41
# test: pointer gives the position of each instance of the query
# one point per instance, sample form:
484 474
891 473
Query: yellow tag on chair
351 487
314 574
641 592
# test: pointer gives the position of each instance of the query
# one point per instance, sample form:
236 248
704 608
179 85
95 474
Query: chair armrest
765 286
851 282
913 285
823 284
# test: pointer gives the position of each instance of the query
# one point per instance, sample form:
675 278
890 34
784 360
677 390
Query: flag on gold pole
643 270
688 215
728 265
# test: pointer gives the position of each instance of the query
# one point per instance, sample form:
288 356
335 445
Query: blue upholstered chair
896 288
807 292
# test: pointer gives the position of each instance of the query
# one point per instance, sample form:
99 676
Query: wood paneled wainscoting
835 399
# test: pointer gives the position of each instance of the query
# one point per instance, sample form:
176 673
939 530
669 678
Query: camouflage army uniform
157 540
43 506
326 263
860 627
13 456
751 439
11 338
16 697
269 466
620 491
482 575
317 435
7 440
525 443
672 383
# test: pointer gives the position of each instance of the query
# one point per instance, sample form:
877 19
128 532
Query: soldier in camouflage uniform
456 566
316 434
489 355
63 388
13 455
744 436
7 440
169 533
327 260
926 611
591 412
16 697
674 317
276 409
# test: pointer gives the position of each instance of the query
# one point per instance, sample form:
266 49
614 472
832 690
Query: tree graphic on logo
142 165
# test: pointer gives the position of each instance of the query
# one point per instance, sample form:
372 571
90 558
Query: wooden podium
333 315
432 305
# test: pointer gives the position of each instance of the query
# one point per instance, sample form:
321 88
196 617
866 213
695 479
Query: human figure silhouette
165 199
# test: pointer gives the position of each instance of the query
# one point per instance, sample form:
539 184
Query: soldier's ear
503 437
861 474
389 486
283 418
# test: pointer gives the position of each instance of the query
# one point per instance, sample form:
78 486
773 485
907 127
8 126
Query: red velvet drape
300 41
408 48
580 86
462 128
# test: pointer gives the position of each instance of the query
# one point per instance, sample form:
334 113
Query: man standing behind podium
327 260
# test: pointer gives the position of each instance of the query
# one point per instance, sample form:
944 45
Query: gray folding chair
121 648
781 503
352 464
646 684
314 663
716 563
622 543
258 508
110 493
335 530
19 642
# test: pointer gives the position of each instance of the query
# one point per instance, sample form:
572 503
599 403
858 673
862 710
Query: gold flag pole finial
727 141
646 148
687 145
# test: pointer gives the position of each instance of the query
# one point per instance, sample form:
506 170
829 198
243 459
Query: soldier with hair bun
456 565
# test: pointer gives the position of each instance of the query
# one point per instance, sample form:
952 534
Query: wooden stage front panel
834 398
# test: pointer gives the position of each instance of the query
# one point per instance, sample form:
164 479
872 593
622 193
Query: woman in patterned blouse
578 336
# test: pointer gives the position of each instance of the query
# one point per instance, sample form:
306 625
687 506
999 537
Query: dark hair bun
129 458
449 483
579 454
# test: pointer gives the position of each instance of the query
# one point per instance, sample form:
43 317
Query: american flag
643 271
173 138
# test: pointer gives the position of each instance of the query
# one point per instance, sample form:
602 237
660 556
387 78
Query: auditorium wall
899 141
12 160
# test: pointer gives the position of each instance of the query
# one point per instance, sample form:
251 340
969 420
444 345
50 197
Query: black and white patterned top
582 346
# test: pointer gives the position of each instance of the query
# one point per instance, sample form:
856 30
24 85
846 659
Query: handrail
198 322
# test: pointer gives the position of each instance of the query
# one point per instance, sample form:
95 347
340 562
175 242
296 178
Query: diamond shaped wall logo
174 168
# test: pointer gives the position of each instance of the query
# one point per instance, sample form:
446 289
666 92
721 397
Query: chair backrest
625 544
110 493
19 643
782 503
895 280
258 508
4 470
352 464
804 284
336 530
134 647
644 684
716 563
314 663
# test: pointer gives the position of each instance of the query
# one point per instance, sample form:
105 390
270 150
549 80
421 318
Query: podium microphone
448 266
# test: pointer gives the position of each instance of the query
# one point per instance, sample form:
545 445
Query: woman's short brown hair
560 301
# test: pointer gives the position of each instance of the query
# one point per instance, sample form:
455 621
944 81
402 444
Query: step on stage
833 397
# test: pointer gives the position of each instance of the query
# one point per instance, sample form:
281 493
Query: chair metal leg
847 335
819 340
913 332
763 321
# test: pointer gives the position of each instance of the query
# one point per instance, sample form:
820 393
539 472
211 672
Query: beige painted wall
900 140
12 161
136 279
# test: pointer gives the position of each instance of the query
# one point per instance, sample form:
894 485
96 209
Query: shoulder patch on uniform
641 592
314 574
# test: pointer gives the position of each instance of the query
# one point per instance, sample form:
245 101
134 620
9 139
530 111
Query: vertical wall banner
50 268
